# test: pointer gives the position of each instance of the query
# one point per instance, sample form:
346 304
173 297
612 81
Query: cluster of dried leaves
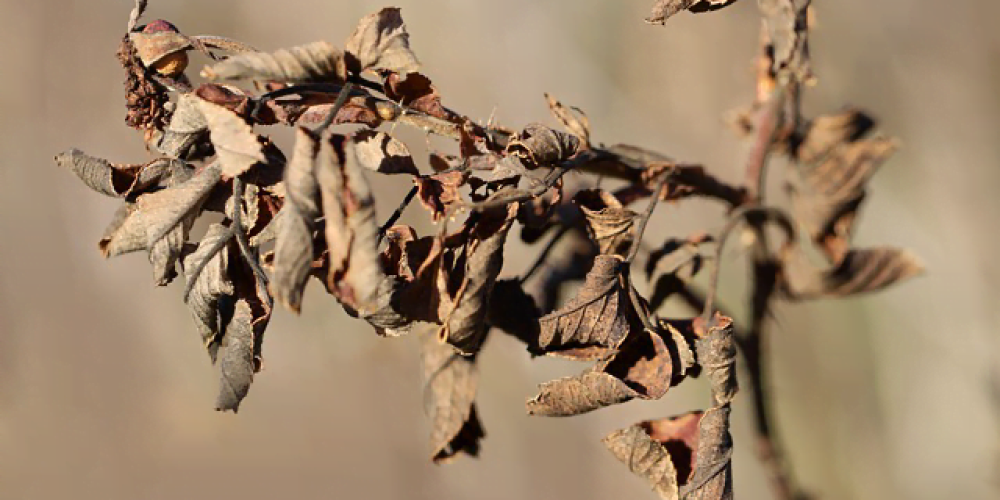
283 221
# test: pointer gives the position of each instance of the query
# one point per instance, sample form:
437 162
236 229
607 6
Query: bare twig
397 213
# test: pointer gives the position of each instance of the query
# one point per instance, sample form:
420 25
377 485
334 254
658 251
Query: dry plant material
284 221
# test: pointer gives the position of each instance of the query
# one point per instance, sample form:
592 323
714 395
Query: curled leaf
293 251
380 41
115 179
450 381
661 451
186 125
860 271
609 223
539 145
829 131
465 324
664 9
205 272
416 92
439 192
313 62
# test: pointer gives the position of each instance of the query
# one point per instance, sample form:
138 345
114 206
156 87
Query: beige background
106 393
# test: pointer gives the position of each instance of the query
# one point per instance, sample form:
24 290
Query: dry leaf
596 321
539 145
380 152
450 381
465 324
236 146
210 260
439 192
827 132
572 118
293 250
116 180
185 128
609 223
380 41
314 62
664 9
416 92
860 271
661 451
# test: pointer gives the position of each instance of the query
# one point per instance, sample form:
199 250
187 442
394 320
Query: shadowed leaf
860 271
209 260
380 152
450 381
439 192
539 145
664 9
609 223
415 91
660 451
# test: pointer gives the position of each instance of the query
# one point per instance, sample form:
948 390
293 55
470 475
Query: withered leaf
380 152
661 451
465 324
860 271
664 9
439 192
210 284
237 357
380 41
595 321
186 125
236 145
642 368
826 196
539 145
313 62
415 91
787 33
153 45
351 228
829 131
712 478
293 251
609 223
450 381
161 221
111 179
717 354
572 118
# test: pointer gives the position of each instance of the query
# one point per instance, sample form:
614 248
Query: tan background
106 393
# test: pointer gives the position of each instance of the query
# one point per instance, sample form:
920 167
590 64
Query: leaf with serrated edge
236 145
313 62
380 41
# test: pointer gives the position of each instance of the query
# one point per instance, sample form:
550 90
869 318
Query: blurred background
107 393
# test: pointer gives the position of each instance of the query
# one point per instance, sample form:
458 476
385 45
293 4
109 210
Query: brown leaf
827 132
464 326
159 40
380 152
826 196
115 180
293 251
539 145
860 271
450 381
351 228
712 478
717 354
236 146
572 118
314 62
186 126
159 222
787 34
380 41
642 368
609 223
661 451
596 321
416 92
664 9
439 192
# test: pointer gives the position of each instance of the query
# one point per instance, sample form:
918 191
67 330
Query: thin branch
397 213
345 92
661 187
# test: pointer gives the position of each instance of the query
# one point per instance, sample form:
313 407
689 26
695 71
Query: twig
641 229
397 213
345 91
241 237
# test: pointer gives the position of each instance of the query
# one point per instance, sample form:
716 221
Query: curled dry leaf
380 152
787 35
450 381
438 193
185 127
380 41
664 9
116 180
596 321
642 368
160 41
416 92
829 131
313 62
826 196
609 223
205 272
236 145
572 118
159 222
293 250
859 271
539 145
661 451
465 324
